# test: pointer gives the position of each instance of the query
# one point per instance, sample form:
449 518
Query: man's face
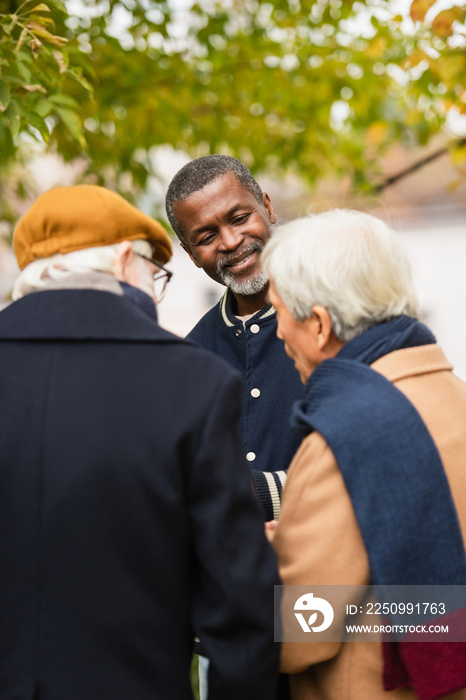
225 229
300 339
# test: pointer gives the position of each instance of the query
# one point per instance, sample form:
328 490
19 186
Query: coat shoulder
204 326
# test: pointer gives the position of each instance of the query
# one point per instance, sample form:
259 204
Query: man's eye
242 218
206 240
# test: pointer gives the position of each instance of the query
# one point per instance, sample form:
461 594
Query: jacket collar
229 318
79 314
408 362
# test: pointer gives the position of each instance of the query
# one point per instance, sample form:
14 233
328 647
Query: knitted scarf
396 481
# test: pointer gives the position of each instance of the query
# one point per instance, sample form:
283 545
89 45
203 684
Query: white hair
99 259
350 263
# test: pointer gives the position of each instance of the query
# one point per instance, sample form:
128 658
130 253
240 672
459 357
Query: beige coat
318 540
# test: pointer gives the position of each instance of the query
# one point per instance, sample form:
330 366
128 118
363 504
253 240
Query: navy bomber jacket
271 385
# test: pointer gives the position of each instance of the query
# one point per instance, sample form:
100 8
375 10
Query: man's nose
230 239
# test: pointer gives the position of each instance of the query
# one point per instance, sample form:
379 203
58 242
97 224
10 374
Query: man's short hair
194 176
349 262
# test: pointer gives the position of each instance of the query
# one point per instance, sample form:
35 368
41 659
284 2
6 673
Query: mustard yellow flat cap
65 219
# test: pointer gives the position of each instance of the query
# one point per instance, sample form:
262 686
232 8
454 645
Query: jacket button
238 332
251 456
255 328
255 393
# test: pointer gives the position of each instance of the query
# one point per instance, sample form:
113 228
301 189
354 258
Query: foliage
35 75
283 84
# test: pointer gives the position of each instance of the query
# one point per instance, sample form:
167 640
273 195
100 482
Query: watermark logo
346 613
308 603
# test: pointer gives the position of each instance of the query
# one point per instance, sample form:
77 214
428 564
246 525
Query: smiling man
223 220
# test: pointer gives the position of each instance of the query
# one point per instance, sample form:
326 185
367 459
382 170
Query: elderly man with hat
124 494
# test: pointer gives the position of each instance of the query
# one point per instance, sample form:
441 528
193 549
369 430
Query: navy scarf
396 481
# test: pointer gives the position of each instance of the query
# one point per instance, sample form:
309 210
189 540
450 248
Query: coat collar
408 362
229 318
79 314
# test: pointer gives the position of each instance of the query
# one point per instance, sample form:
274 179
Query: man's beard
253 285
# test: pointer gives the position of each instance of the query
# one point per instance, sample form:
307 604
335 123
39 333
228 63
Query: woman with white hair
376 494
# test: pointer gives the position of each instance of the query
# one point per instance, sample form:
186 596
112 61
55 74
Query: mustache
231 259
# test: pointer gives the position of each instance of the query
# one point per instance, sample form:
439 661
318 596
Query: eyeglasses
161 278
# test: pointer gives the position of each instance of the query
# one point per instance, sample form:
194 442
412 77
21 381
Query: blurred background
328 102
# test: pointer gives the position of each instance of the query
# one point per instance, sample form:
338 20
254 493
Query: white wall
438 255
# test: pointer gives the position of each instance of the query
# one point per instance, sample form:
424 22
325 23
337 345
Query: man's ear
123 260
269 208
327 341
188 250
324 326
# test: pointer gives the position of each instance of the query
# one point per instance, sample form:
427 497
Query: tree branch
417 166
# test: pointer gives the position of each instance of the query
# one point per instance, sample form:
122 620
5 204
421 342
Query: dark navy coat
125 503
271 383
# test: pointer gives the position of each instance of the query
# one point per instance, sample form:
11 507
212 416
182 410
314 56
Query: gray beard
253 285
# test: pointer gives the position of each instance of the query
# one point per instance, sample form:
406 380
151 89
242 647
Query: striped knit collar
229 318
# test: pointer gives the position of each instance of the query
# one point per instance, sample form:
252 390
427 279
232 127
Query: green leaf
13 116
5 96
30 5
22 38
7 147
73 123
38 123
25 57
24 72
58 5
255 79
43 21
40 31
77 75
43 108
9 22
62 100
